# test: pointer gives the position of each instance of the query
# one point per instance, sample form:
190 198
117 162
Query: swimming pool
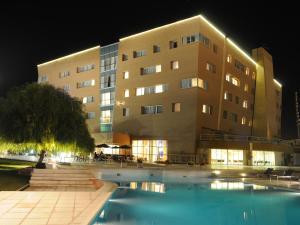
218 202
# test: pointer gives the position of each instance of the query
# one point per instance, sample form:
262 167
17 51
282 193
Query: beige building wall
267 117
182 129
50 72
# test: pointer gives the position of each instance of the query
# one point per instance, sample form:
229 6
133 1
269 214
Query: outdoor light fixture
217 172
243 174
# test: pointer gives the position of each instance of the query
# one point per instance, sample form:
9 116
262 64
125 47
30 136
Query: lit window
107 98
125 112
159 88
247 71
140 91
250 123
243 120
87 99
246 87
245 104
194 82
126 93
235 81
253 76
207 109
229 59
228 77
158 68
87 83
156 48
173 44
126 75
211 67
175 107
174 65
226 95
105 116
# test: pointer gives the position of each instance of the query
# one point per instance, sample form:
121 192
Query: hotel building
179 92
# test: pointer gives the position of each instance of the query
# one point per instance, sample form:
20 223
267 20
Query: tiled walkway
52 208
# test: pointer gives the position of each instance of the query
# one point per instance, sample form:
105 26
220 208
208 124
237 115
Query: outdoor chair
267 173
287 174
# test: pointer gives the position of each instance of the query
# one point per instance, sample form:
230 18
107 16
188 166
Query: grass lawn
10 180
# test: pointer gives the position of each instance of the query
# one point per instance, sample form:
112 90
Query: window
207 109
160 88
196 38
156 48
174 65
237 100
151 109
229 58
66 88
87 83
64 74
253 76
124 57
108 80
140 53
87 99
140 91
85 68
176 107
108 63
193 82
43 79
126 93
228 77
173 44
151 69
234 117
106 116
211 67
125 75
245 104
247 71
250 123
125 112
235 81
215 48
246 88
91 115
225 114
239 65
107 98
243 120
228 96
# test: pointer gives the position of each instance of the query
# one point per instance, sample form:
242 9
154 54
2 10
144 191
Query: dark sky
32 33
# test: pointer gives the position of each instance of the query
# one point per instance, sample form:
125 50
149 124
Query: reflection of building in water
218 185
149 186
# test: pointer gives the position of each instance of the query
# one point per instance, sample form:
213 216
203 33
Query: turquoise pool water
210 203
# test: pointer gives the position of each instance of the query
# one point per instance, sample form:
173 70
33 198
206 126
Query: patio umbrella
102 146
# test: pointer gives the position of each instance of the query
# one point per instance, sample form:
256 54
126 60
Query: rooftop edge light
207 22
241 51
276 82
68 56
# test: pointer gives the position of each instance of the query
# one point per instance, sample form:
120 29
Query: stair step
40 178
65 182
60 175
61 171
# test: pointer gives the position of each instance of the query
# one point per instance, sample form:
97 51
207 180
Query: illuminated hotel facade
179 92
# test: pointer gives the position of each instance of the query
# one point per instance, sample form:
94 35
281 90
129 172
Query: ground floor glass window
227 157
150 150
263 158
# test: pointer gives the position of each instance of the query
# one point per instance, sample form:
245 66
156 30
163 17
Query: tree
45 118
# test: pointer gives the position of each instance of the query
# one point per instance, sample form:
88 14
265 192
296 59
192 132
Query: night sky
32 33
